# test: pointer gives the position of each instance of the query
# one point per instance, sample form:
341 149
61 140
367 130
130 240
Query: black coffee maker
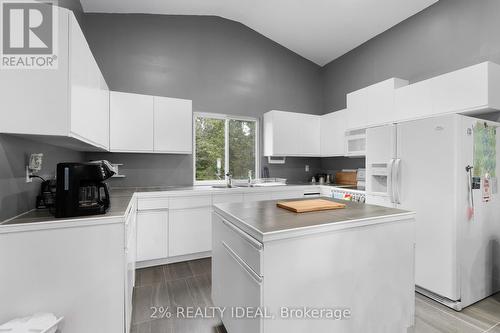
80 188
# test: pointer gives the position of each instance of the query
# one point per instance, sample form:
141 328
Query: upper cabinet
173 125
291 134
89 92
333 128
132 122
468 90
150 124
67 106
373 105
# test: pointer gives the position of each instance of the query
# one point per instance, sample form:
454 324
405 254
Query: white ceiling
319 30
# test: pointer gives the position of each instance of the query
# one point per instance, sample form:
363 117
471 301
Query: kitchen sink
224 186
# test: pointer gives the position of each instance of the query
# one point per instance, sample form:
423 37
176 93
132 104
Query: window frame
226 118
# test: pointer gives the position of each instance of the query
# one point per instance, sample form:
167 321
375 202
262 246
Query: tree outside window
224 144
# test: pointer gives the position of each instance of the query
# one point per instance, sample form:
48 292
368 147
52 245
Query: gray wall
17 196
222 65
447 36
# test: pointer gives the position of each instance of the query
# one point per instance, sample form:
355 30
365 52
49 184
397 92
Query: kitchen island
346 270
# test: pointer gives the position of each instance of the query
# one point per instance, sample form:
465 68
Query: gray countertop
118 207
121 196
264 220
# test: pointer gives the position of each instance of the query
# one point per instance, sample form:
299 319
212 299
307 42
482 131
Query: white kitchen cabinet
130 259
414 101
173 125
373 105
468 90
152 235
189 231
89 92
67 106
291 134
333 128
131 122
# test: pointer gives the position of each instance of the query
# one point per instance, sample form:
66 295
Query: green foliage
210 146
241 148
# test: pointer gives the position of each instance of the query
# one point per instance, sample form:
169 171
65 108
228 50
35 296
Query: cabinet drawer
244 246
190 202
234 285
152 203
227 198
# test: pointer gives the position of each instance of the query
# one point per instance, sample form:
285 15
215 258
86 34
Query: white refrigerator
421 165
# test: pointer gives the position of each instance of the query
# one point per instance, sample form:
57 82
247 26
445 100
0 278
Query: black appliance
80 188
47 197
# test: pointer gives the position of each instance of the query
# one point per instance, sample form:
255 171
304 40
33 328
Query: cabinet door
460 90
173 125
131 122
373 105
309 138
413 101
294 134
333 127
36 101
189 231
89 94
234 283
286 129
152 239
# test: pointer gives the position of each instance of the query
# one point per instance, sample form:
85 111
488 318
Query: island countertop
264 221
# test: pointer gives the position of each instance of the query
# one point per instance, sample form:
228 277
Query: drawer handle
253 242
243 264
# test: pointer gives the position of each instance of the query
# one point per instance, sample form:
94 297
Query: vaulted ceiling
319 30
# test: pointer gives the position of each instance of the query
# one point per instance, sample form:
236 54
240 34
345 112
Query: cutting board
346 178
312 205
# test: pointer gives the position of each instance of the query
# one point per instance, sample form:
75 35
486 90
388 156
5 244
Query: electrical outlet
307 168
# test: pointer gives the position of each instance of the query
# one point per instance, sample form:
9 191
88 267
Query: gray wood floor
189 283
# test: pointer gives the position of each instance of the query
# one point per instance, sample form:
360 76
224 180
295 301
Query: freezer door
427 173
479 241
380 160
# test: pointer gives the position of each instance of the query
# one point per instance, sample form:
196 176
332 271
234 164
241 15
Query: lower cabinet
189 231
235 283
172 227
152 240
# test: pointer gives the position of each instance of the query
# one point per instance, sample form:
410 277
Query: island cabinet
175 226
268 263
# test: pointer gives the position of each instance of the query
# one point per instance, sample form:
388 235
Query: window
224 144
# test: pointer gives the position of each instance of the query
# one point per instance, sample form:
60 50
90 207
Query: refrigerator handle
390 180
396 182
470 208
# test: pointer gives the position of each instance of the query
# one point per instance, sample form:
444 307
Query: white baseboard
171 260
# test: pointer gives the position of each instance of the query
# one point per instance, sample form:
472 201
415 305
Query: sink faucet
229 180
